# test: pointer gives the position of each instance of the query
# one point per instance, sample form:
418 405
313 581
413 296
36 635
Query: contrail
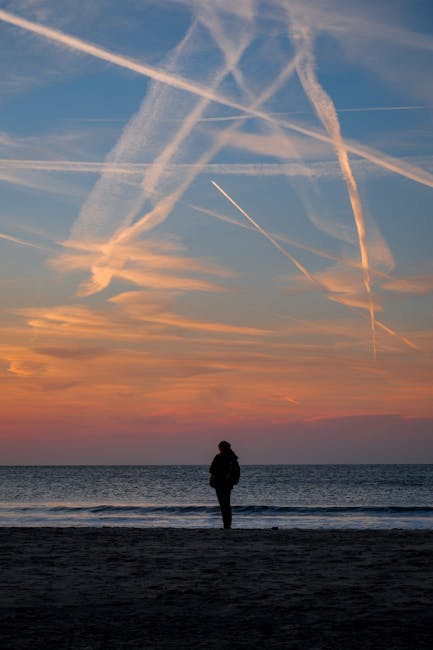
77 166
162 167
162 209
298 264
162 162
327 114
380 159
388 330
354 109
366 109
354 264
160 212
168 153
113 200
314 170
105 55
23 242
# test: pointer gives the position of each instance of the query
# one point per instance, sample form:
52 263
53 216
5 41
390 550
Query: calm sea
287 496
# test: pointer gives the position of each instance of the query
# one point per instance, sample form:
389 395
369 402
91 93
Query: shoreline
112 587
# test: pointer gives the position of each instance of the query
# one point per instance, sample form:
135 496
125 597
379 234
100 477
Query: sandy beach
177 588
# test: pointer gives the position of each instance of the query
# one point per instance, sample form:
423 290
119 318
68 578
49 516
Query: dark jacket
224 470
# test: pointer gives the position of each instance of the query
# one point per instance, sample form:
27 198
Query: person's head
224 446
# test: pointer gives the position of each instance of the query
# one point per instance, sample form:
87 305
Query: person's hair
224 445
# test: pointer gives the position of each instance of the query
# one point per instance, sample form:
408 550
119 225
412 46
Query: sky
216 223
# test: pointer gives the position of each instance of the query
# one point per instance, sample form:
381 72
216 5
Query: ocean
286 496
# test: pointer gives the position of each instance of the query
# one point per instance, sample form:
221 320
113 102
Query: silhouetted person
224 474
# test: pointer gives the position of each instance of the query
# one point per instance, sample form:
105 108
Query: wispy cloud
72 353
418 284
136 304
155 263
367 20
279 145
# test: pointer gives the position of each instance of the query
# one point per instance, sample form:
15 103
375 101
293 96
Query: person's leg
228 509
223 495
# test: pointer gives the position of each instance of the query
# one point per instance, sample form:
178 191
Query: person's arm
214 465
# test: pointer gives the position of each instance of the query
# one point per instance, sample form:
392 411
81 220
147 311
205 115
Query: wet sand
213 589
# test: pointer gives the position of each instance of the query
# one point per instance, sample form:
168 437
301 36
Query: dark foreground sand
169 588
